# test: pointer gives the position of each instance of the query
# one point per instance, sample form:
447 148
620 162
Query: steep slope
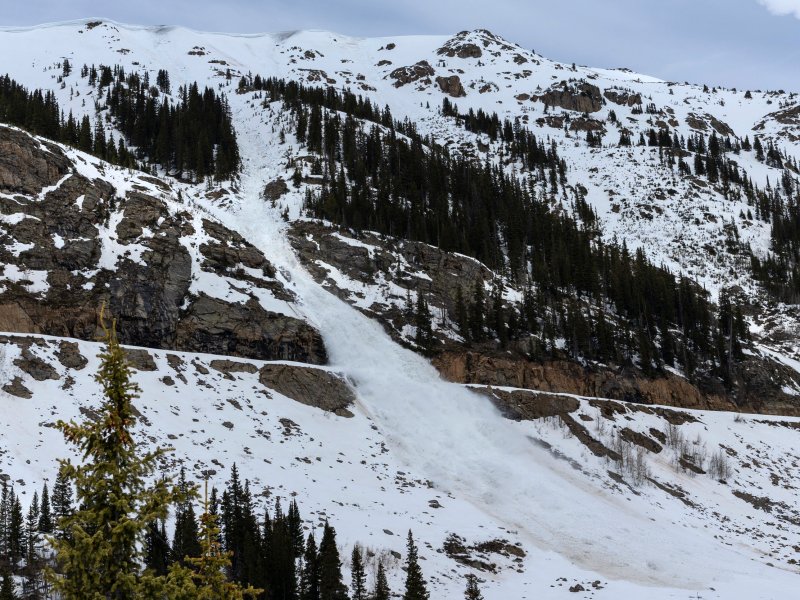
623 500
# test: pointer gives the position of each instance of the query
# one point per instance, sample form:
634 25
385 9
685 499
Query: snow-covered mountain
608 498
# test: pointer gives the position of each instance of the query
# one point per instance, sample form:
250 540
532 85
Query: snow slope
415 438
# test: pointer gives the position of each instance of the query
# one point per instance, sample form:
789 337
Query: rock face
439 274
578 96
69 244
759 393
406 75
312 387
623 98
451 86
461 50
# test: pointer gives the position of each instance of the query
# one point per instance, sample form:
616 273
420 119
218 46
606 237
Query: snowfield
420 453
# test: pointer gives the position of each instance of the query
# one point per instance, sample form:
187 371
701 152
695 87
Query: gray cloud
720 42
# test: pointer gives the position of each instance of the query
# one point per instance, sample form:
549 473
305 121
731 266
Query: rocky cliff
76 234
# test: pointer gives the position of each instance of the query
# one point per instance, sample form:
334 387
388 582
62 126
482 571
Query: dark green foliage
416 588
472 592
331 586
191 135
156 548
7 591
309 578
38 112
185 540
381 591
61 502
45 516
358 586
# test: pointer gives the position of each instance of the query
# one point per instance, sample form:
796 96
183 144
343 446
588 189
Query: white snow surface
415 438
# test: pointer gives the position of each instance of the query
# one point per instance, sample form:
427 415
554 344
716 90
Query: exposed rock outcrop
406 75
80 245
461 50
313 387
578 96
451 86
623 98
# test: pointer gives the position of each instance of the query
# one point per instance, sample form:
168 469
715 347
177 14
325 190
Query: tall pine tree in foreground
416 588
100 555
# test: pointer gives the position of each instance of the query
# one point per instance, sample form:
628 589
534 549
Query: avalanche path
458 440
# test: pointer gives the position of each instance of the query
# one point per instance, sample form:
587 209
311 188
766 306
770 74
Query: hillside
289 344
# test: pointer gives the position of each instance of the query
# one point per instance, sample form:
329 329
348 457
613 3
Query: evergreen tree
101 555
309 576
331 586
211 566
477 312
472 592
7 591
381 591
16 532
62 503
358 584
45 516
156 548
416 588
185 540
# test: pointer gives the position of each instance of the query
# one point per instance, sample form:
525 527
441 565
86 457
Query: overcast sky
739 43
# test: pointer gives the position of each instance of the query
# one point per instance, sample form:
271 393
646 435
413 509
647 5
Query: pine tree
381 591
331 586
100 556
45 516
16 532
477 312
472 592
212 564
309 576
7 591
416 588
62 503
32 525
156 548
185 540
358 584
